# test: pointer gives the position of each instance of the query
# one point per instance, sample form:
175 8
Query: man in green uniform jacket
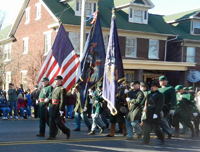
151 119
133 116
42 109
183 110
169 103
81 113
97 110
56 109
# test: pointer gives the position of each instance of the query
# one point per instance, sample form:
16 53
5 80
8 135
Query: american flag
61 60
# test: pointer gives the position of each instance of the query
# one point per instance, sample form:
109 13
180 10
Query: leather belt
55 102
41 99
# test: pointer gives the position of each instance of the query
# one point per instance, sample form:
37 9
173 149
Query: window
138 16
7 52
196 27
27 15
129 75
90 8
25 45
75 39
8 80
105 39
153 49
131 50
38 11
190 55
47 42
24 78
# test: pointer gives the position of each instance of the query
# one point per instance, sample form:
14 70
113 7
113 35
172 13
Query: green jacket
12 95
44 93
135 109
78 107
185 100
170 98
60 95
155 101
96 107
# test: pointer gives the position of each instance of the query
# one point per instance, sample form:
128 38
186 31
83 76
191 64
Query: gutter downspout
166 47
182 51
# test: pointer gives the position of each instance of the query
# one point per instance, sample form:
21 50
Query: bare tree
35 66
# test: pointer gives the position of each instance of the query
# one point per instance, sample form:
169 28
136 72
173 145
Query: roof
182 22
181 16
4 33
156 22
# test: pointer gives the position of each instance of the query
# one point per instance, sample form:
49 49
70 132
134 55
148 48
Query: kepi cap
58 77
178 87
45 79
162 78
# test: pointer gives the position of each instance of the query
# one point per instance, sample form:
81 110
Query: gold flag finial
113 12
59 20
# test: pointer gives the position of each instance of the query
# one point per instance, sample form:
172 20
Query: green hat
135 82
178 87
45 79
58 77
190 88
185 88
162 78
99 85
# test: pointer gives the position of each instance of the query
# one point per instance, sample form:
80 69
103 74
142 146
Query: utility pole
83 27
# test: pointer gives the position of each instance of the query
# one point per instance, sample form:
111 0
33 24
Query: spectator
35 98
21 90
28 98
22 106
2 92
71 98
12 98
4 106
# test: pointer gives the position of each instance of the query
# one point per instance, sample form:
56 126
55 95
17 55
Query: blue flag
113 69
91 66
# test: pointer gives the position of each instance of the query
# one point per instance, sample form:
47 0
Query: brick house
143 37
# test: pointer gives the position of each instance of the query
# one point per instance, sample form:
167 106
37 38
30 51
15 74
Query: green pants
43 122
53 123
184 116
147 128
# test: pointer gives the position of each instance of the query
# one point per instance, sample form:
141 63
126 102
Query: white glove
47 108
96 115
96 101
85 109
171 112
89 90
46 100
36 102
155 116
91 94
195 114
61 113
128 99
126 91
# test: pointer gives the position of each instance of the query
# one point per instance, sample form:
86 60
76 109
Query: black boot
193 132
176 132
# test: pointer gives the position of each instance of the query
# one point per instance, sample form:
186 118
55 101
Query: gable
198 14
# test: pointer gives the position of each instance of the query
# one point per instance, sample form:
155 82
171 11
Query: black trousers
147 128
54 123
35 110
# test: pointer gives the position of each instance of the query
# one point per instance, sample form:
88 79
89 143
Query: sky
162 7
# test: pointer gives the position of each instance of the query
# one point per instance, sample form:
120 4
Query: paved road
19 136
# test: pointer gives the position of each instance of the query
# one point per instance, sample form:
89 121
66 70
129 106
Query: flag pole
83 28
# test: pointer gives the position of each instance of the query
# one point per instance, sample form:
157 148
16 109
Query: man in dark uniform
151 118
56 109
42 109
133 117
119 117
169 103
34 98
